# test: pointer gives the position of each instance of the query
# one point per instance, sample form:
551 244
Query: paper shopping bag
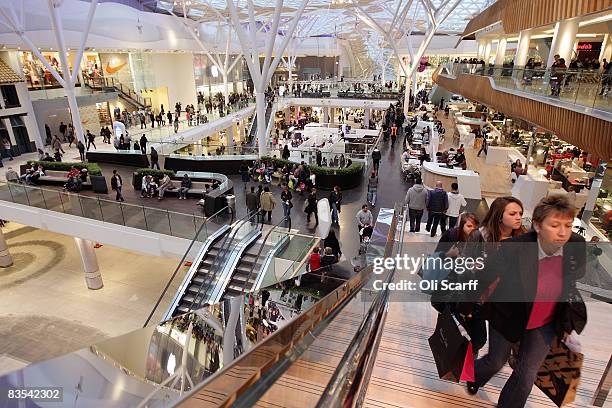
559 374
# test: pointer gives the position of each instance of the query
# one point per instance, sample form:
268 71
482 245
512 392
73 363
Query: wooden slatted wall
517 15
587 132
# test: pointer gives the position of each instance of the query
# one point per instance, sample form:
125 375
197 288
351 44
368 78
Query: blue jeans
534 346
286 210
372 196
334 213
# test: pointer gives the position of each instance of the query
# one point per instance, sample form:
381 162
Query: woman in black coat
529 281
332 242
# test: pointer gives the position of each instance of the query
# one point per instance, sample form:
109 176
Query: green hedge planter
92 168
327 177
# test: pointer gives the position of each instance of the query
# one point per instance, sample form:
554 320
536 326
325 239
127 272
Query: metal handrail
180 264
288 220
224 249
347 386
287 344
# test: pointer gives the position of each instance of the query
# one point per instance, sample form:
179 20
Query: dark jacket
252 201
336 198
515 266
286 196
437 201
154 156
114 183
312 203
376 155
333 244
186 182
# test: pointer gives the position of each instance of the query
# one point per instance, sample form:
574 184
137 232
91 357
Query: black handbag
573 313
448 347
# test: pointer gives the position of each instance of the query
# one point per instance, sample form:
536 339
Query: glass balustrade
158 220
587 88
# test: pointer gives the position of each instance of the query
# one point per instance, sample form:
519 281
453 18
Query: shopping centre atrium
236 203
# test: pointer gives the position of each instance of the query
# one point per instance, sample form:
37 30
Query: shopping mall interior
226 203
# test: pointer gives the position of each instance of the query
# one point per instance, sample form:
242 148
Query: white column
606 47
75 113
262 137
487 52
563 41
93 278
366 117
481 47
230 136
6 259
332 115
522 49
501 52
326 115
9 130
287 115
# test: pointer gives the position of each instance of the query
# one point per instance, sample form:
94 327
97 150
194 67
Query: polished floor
46 309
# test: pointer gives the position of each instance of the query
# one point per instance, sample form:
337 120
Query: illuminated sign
589 46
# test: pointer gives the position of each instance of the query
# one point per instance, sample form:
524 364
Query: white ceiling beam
81 49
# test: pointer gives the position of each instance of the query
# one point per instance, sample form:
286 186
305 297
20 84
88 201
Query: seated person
84 173
35 175
74 172
74 184
146 190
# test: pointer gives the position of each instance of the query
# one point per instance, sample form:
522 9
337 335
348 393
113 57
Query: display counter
466 137
217 164
502 156
468 180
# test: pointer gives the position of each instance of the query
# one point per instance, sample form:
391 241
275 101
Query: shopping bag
467 373
559 374
448 347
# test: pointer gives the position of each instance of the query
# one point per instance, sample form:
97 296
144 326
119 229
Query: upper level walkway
577 108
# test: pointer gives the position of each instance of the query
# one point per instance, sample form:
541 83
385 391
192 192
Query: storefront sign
589 46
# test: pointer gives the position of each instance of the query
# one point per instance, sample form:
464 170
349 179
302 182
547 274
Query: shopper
311 206
252 201
81 148
90 140
117 185
286 198
376 156
455 202
185 187
267 202
454 244
165 184
539 268
332 242
437 204
484 147
335 201
372 188
143 144
286 153
55 145
154 158
314 262
416 200
364 219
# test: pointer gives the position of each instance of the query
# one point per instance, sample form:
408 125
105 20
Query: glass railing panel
158 221
71 203
91 208
183 225
5 192
53 200
112 212
19 194
134 216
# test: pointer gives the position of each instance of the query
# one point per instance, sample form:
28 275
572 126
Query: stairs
248 262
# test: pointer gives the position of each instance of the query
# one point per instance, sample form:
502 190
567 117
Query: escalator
205 281
252 136
245 274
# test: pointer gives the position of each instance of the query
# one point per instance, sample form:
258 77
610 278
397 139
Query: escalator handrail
263 243
296 335
224 248
348 384
180 264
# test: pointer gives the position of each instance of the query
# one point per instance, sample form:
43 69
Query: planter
344 181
